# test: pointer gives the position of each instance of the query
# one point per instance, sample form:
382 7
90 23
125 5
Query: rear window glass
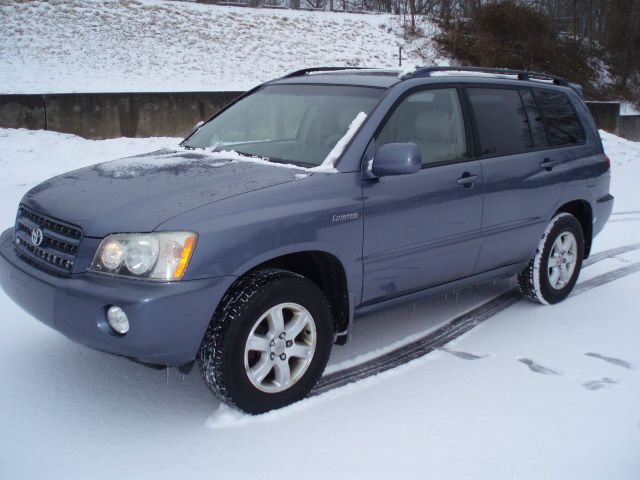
502 122
561 120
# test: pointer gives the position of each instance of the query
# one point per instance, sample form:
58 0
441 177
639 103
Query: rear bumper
601 211
167 320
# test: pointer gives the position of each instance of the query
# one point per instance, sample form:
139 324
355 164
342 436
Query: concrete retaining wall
23 111
111 115
630 127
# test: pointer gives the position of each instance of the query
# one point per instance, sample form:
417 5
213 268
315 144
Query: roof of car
385 78
367 78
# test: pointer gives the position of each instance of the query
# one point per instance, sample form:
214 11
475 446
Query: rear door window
561 120
503 128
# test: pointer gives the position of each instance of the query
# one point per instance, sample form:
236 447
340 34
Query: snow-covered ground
534 392
151 45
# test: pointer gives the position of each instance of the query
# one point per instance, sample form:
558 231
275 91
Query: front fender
320 212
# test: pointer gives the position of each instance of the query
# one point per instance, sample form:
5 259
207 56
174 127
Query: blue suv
312 199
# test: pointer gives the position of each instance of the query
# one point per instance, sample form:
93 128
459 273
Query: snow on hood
166 160
140 193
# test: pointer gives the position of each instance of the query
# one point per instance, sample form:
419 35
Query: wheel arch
581 209
326 271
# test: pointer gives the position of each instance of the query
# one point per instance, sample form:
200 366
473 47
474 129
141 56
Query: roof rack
520 74
304 71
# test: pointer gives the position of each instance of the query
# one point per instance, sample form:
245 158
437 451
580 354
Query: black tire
534 281
222 353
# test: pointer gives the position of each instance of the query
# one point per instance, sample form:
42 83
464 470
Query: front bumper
167 320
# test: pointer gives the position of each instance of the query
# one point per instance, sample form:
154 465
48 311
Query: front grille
56 251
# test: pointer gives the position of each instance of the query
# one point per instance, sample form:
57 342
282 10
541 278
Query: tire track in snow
606 278
461 324
598 257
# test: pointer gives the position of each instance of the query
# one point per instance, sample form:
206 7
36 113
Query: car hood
137 194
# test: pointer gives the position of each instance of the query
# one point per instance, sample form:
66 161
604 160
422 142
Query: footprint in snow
615 361
464 355
598 384
534 367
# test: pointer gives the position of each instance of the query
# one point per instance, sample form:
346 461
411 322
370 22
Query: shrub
515 36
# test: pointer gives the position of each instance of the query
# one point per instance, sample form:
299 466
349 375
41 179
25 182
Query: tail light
606 157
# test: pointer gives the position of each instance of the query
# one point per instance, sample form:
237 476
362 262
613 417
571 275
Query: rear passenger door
523 181
423 229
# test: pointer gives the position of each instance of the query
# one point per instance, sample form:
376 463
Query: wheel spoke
554 275
297 324
283 373
571 258
261 369
258 343
299 350
565 274
276 320
557 246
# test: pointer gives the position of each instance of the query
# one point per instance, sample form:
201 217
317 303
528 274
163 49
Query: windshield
297 124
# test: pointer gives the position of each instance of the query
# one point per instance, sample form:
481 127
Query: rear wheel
269 341
553 271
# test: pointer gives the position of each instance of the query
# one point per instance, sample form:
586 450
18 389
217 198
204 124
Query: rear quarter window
536 120
502 124
561 121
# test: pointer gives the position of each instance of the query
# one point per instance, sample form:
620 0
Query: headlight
154 256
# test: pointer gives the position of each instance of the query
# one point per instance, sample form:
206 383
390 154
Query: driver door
423 229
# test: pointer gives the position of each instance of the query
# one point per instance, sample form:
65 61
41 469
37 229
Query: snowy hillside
532 393
110 46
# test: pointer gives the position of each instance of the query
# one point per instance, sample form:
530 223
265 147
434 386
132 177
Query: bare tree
622 37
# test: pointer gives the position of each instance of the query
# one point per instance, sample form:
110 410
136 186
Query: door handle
467 180
548 164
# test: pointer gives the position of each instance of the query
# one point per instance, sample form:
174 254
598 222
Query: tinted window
432 120
536 121
563 126
501 120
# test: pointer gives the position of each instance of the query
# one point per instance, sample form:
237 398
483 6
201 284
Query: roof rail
304 71
520 74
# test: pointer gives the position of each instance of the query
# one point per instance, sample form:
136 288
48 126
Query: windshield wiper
263 157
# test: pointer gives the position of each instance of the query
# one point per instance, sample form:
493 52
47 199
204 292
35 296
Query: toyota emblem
36 237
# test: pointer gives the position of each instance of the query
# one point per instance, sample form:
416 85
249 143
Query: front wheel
553 271
269 341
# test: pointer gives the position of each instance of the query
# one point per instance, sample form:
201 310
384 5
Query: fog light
118 320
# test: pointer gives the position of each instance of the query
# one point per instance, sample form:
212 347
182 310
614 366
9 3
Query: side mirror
396 159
